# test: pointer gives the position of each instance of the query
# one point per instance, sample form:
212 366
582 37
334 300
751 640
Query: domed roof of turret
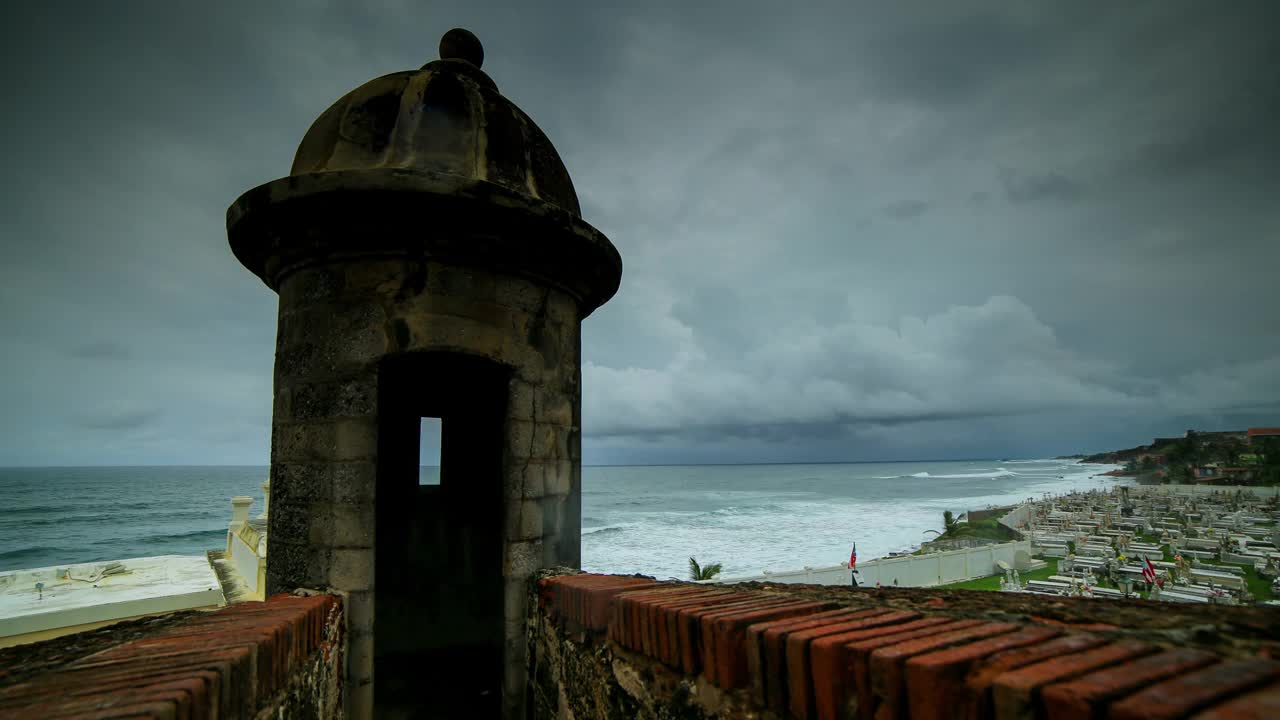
446 117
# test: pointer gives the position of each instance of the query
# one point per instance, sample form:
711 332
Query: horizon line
597 465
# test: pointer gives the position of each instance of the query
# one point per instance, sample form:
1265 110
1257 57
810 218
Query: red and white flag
853 558
1148 570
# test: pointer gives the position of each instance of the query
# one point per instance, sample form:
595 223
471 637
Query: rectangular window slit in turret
429 451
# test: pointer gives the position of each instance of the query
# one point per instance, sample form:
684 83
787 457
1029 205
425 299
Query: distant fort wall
974 516
1017 518
938 568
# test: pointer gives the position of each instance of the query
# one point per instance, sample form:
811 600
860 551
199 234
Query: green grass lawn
1259 586
993 582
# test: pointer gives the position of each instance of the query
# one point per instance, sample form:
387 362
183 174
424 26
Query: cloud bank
851 230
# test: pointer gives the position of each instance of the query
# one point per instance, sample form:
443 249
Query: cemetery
1165 543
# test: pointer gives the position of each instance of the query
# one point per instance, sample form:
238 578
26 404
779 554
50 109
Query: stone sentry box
431 261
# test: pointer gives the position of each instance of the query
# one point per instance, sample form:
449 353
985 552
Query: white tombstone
1021 559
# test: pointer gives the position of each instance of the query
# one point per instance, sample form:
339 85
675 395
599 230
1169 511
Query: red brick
730 639
684 617
657 622
818 670
599 601
200 688
554 592
705 629
269 660
666 613
688 627
1179 696
155 710
661 607
596 597
219 664
629 610
563 600
1261 704
767 651
1014 693
858 656
690 636
1083 627
279 637
640 614
237 684
547 588
1088 696
626 633
670 615
172 702
977 703
796 648
935 680
819 682
886 665
582 601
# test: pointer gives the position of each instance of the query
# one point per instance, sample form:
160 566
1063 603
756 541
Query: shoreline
1114 474
787 520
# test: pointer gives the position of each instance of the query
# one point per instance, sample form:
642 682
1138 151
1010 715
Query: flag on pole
1148 570
853 557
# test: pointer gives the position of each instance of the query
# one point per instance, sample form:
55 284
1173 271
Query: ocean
635 519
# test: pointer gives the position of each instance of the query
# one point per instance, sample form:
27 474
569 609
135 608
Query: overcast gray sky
851 231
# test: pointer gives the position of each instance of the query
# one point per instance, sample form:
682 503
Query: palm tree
949 524
697 572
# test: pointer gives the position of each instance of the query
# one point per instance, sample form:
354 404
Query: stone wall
629 647
276 659
974 516
1018 518
938 568
339 325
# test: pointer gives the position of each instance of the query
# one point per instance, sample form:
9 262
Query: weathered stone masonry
430 261
628 647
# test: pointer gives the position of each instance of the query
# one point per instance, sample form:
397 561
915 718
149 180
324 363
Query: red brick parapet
235 662
805 652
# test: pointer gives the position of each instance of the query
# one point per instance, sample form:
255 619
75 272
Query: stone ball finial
460 44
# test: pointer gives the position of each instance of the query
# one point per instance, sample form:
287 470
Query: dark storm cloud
851 230
1214 151
947 56
1021 188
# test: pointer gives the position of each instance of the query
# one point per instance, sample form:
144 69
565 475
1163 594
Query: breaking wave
1001 472
751 518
